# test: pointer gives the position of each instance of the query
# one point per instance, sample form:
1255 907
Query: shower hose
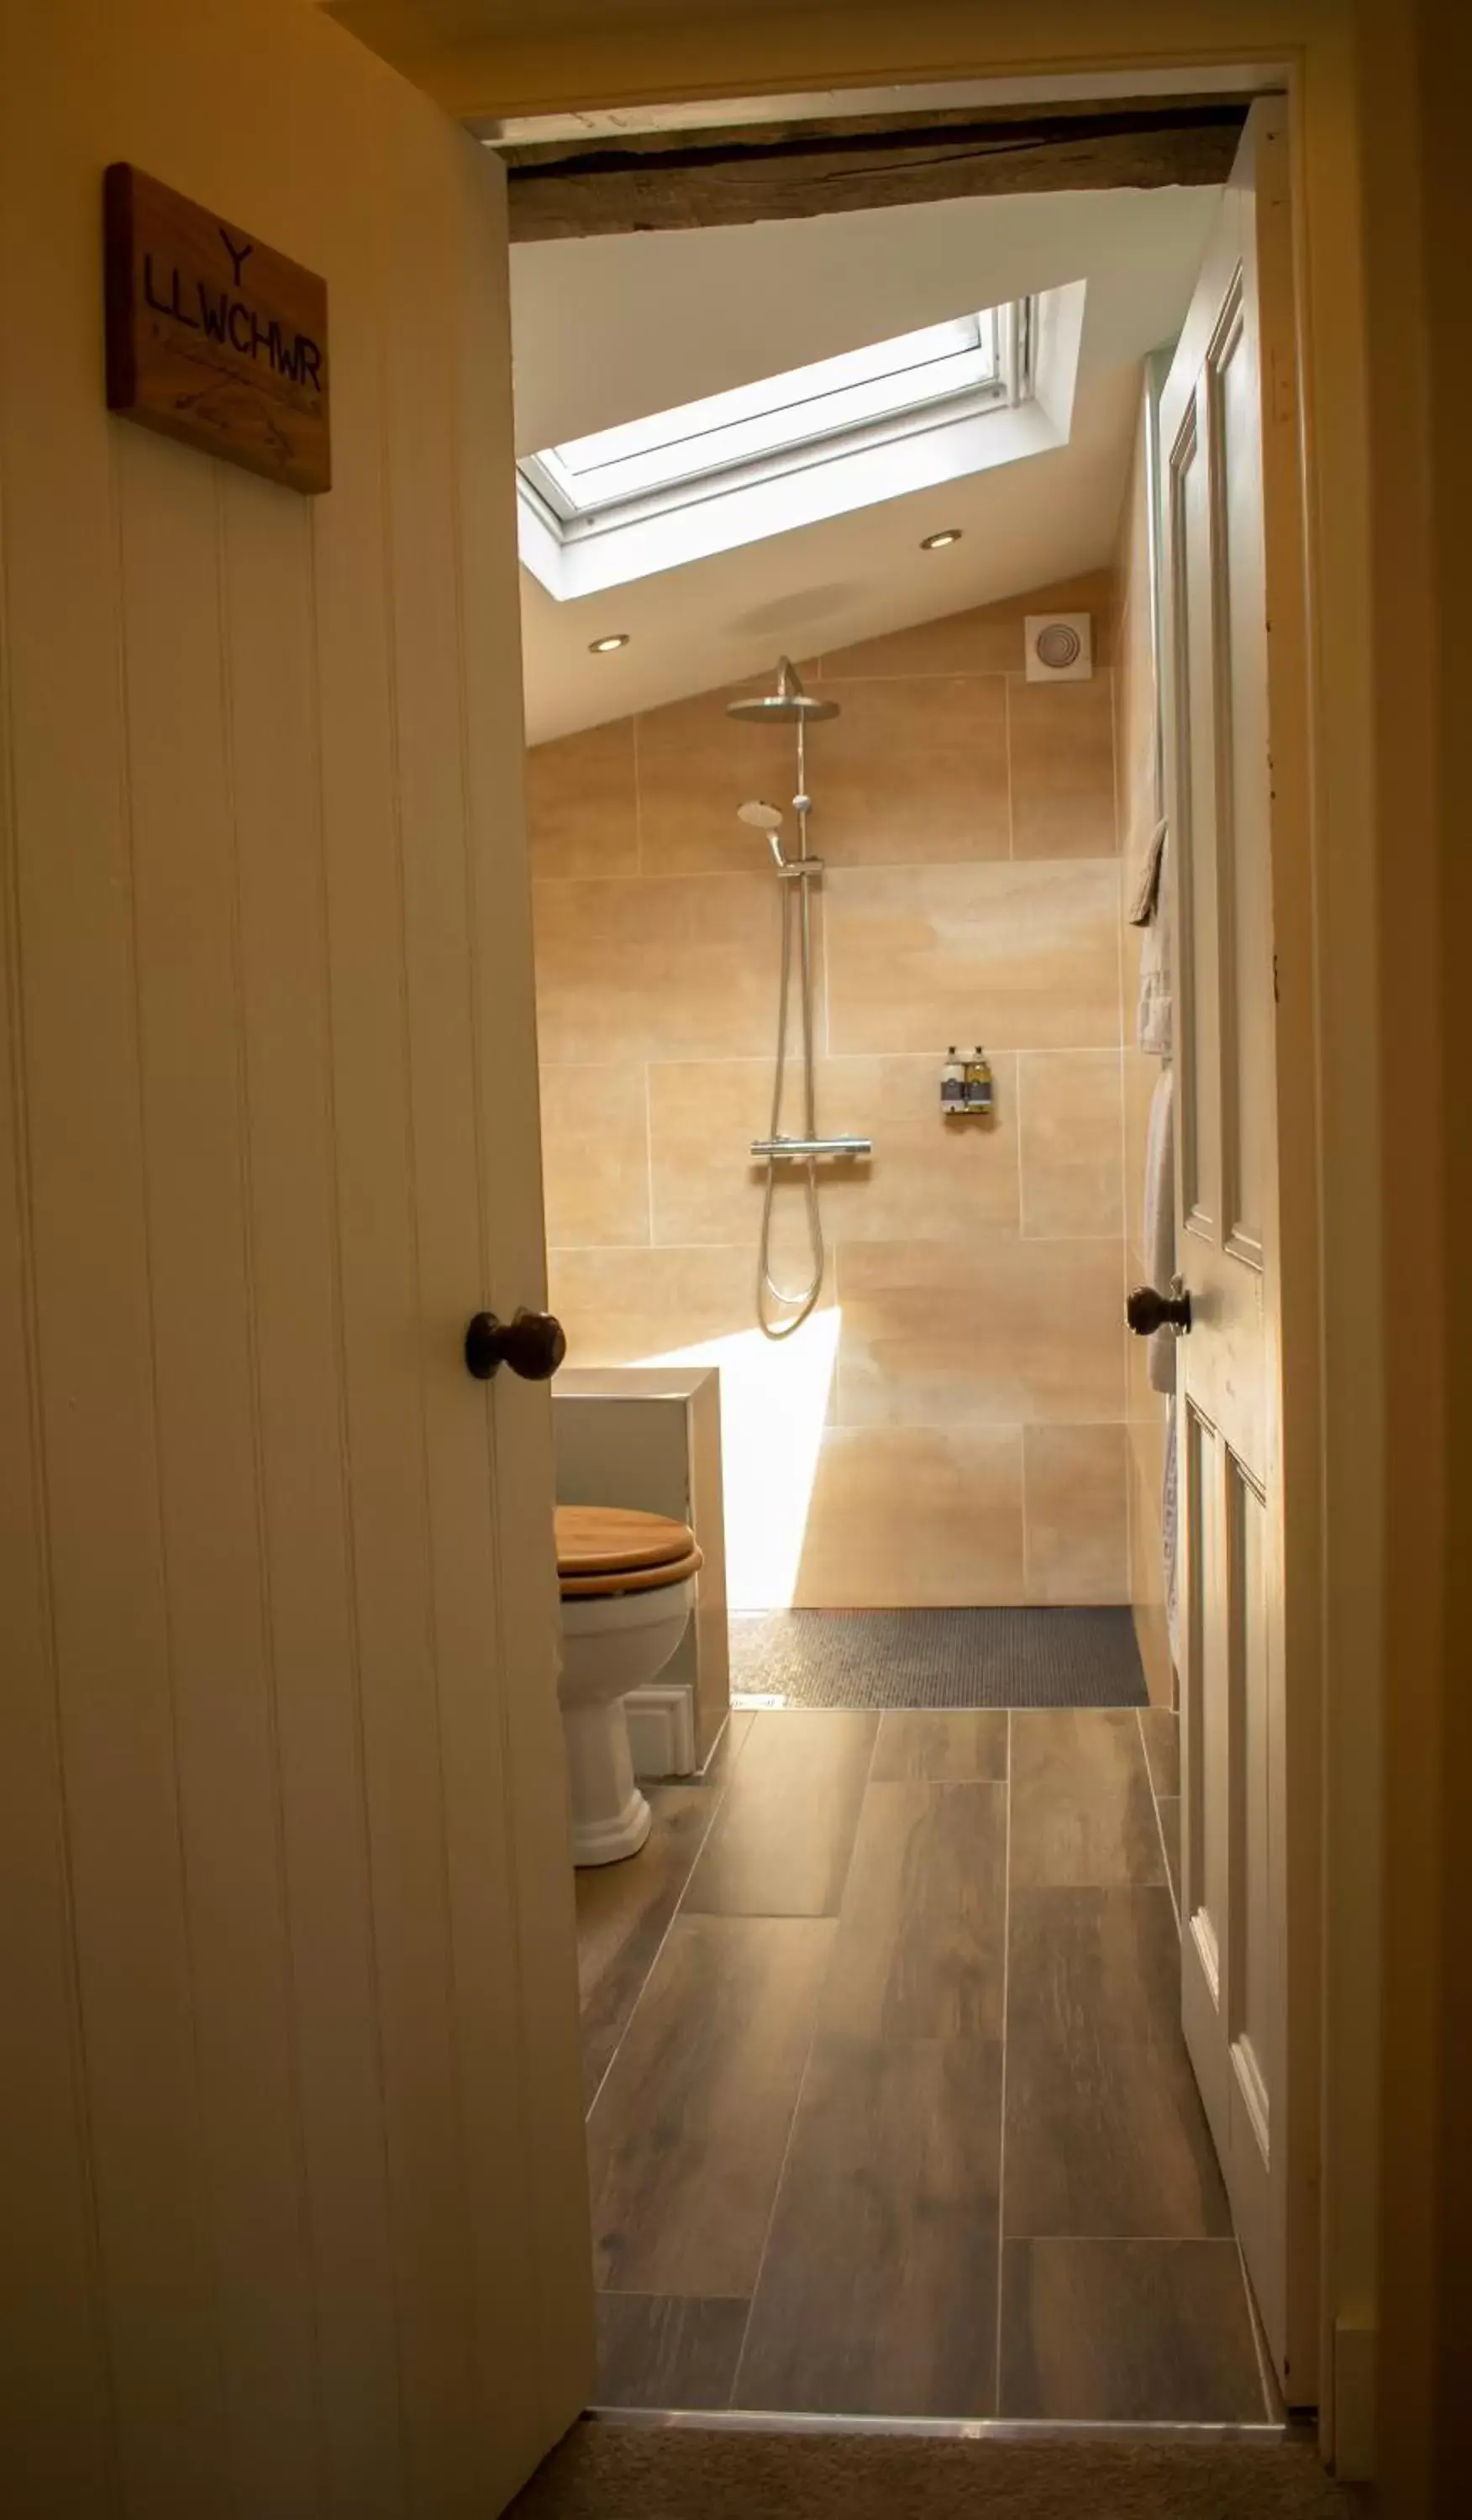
800 1301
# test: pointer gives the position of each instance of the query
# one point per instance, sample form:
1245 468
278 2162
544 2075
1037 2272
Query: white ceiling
607 328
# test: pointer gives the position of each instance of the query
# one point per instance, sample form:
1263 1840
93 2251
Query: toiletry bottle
977 1084
952 1084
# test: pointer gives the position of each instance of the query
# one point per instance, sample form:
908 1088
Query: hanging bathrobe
1160 1219
1170 1532
1150 911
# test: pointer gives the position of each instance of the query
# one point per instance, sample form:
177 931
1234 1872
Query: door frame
1324 898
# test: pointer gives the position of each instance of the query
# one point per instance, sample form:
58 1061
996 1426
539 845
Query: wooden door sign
213 336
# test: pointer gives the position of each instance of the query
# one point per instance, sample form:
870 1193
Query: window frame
550 487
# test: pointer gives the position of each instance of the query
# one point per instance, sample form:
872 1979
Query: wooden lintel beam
732 177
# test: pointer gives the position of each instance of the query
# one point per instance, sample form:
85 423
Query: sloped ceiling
607 328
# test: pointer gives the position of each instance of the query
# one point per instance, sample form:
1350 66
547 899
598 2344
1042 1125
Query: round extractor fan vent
1059 645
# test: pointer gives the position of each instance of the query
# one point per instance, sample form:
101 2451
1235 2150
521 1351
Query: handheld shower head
761 817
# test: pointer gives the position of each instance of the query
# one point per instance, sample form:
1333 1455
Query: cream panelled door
1234 720
292 2168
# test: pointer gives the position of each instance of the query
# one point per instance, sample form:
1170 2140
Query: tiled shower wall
951 1428
1135 757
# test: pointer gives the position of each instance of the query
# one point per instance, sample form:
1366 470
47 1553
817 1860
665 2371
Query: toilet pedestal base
610 1819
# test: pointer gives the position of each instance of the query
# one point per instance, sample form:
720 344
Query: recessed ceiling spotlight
606 647
941 541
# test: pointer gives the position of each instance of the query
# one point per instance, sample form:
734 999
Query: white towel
1143 907
1159 1217
1170 1532
1152 913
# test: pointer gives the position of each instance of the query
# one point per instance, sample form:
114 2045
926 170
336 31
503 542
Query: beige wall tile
913 772
915 768
984 640
1061 743
695 766
929 1179
595 1155
706 1187
1071 1140
1075 1511
581 814
1023 957
702 1115
995 1329
987 640
679 967
619 1306
914 1516
925 1179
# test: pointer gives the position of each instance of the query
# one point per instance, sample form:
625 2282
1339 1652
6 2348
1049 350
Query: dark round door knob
532 1344
1147 1310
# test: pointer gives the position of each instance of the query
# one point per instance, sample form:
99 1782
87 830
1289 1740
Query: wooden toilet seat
603 1549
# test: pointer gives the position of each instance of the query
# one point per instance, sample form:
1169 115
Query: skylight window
908 415
759 431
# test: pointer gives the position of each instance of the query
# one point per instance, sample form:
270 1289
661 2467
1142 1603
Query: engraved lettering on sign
213 336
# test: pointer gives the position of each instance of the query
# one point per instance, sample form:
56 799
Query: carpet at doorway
1001 1657
604 2472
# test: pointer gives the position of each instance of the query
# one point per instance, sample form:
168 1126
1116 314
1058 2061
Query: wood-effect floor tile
1082 1812
687 2137
716 1775
944 1746
1105 2133
1160 1729
877 2290
1127 2331
784 1833
661 2350
624 1913
1169 1808
921 1943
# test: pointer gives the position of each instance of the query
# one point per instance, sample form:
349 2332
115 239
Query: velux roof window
818 442
760 432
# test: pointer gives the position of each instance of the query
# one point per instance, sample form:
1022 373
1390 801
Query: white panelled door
1228 439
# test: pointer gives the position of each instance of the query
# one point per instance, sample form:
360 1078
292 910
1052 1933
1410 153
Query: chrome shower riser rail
791 704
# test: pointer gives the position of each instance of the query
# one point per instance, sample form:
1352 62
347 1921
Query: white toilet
628 1585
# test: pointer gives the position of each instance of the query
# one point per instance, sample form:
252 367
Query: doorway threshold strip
992 2428
1019 1657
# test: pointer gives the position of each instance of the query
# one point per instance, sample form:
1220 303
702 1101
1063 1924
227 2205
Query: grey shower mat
1008 1657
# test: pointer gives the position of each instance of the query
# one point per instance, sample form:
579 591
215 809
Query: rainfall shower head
788 703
